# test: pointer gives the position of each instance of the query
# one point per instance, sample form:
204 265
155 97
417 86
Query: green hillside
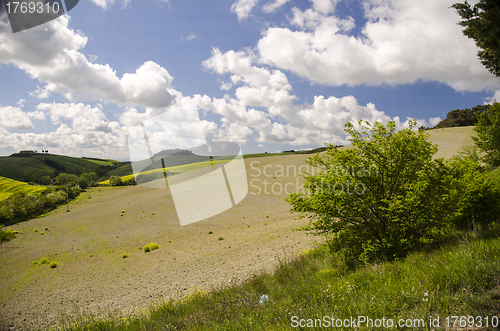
33 166
10 186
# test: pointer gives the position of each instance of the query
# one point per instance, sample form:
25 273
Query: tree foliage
387 196
481 23
462 117
488 135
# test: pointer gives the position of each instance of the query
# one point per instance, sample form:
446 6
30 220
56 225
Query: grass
10 186
456 280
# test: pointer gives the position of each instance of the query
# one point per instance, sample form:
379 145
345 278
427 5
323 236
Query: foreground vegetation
318 283
21 207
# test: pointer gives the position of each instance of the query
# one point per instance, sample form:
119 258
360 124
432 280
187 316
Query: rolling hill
10 186
31 166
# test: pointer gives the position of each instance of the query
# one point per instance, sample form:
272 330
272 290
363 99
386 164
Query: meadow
188 282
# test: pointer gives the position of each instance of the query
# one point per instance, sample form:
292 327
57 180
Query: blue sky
269 74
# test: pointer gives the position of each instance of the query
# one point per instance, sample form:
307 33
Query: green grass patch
449 281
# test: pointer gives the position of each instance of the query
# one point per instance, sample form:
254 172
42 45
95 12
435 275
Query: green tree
488 135
481 23
83 182
381 199
66 179
91 178
115 181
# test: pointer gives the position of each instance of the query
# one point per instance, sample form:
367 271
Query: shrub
474 193
221 238
210 232
151 247
488 134
115 181
379 200
43 260
7 234
53 265
124 256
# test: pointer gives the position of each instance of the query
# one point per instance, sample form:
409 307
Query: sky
271 75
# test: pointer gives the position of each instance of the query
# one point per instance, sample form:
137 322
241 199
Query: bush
151 247
488 135
43 260
124 256
53 265
115 181
6 235
474 194
379 200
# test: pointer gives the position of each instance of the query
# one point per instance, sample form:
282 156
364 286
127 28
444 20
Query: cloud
105 3
82 117
272 6
191 37
264 107
242 8
52 55
402 42
435 120
14 118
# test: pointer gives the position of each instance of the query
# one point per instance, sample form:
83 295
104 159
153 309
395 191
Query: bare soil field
88 243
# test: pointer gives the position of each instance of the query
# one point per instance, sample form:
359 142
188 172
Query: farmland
10 186
104 225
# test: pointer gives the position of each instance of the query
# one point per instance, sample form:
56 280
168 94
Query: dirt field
89 241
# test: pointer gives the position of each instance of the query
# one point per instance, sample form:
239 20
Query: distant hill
462 117
10 186
31 167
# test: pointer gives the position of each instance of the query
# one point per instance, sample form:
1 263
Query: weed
34 262
43 260
36 230
54 265
41 233
123 211
210 232
124 256
169 241
140 248
221 238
